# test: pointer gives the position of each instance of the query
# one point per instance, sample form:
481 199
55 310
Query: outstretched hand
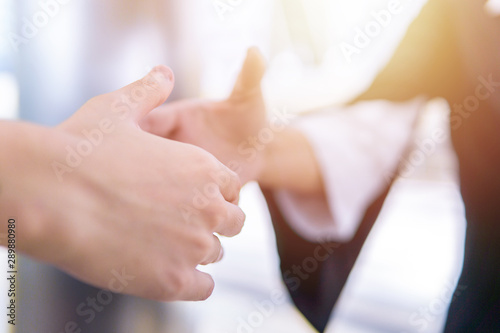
224 128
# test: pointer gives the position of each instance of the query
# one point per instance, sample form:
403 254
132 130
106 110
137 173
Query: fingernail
162 72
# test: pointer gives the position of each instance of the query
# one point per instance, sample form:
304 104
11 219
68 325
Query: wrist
273 159
289 163
25 184
15 153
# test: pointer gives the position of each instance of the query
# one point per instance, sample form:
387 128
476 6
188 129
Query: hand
227 128
237 132
98 195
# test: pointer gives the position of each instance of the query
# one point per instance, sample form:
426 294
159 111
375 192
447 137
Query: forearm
290 163
8 208
20 156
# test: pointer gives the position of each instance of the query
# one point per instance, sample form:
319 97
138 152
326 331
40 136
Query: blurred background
55 55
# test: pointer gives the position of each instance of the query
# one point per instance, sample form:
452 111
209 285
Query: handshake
128 184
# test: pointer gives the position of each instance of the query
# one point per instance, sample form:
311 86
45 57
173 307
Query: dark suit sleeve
426 61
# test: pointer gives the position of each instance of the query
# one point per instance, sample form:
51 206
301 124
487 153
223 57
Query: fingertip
163 72
206 286
251 73
256 59
150 92
234 221
221 255
208 292
161 80
216 254
254 51
241 218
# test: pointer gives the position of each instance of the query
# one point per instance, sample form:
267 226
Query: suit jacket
452 50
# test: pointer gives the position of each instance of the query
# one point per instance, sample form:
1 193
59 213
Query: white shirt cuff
358 149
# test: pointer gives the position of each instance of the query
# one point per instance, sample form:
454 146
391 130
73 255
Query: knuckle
205 162
173 285
210 163
235 179
203 244
97 101
217 214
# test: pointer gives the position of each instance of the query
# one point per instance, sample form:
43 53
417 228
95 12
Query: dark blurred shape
451 50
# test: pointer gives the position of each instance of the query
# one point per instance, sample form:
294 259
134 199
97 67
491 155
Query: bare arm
290 163
98 195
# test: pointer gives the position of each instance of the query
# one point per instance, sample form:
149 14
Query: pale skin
287 162
128 205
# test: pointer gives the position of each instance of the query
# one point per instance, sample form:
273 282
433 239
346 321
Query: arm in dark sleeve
426 61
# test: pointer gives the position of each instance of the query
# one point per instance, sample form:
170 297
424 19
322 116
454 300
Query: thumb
163 121
141 97
250 75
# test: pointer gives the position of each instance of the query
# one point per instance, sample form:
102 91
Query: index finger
229 184
233 221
